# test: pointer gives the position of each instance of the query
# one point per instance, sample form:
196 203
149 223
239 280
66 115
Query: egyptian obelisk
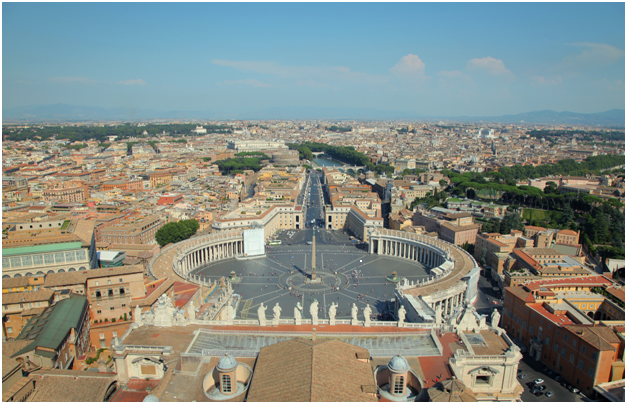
313 274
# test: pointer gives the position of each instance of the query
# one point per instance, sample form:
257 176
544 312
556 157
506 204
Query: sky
431 59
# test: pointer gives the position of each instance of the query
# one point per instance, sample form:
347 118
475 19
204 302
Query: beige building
139 232
258 214
111 290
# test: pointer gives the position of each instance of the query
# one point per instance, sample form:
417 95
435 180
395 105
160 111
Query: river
327 162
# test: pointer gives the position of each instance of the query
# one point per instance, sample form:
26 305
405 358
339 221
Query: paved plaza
349 275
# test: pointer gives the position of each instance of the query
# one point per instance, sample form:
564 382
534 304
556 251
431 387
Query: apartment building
139 232
35 249
58 335
544 318
160 179
453 227
74 194
19 307
111 290
257 213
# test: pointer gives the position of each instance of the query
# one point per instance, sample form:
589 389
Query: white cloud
547 81
592 55
138 81
489 65
250 81
409 66
303 73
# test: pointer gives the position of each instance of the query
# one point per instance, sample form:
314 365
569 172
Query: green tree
510 222
176 231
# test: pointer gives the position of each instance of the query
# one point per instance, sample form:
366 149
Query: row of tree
176 231
84 133
239 164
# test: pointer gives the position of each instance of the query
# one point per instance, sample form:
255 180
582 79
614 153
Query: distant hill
614 118
65 112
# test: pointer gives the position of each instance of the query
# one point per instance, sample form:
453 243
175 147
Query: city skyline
426 59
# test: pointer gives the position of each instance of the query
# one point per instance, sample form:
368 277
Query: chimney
314 337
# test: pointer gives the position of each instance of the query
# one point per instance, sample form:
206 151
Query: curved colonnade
449 285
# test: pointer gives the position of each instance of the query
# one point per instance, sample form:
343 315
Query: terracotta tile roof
15 282
113 271
63 279
595 281
521 292
303 370
70 386
26 296
599 337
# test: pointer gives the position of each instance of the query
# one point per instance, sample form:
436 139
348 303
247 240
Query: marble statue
191 311
332 312
261 313
313 309
438 314
355 312
367 312
401 316
297 313
277 311
164 312
495 318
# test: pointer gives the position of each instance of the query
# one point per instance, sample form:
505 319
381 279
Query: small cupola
227 372
398 372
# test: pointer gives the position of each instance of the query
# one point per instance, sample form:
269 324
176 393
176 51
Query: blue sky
442 59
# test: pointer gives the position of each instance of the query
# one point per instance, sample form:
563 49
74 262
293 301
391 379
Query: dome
150 398
398 364
226 363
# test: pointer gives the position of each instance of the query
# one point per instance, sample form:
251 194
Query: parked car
558 378
575 390
538 393
521 376
530 384
549 394
538 381
550 373
541 388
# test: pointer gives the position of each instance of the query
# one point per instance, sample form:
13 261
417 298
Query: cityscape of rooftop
313 202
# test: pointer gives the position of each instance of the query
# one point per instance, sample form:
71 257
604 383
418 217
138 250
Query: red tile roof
597 281
558 319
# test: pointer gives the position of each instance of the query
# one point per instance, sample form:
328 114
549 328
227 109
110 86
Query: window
563 352
112 308
532 329
581 364
593 356
398 386
514 317
574 342
8 319
566 337
102 335
524 325
547 341
114 334
571 358
9 330
590 371
583 349
482 380
99 311
226 387
97 283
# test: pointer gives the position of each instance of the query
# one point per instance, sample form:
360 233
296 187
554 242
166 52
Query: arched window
72 269
98 294
398 385
29 274
6 276
39 273
61 271
226 386
50 271
110 292
82 269
122 291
